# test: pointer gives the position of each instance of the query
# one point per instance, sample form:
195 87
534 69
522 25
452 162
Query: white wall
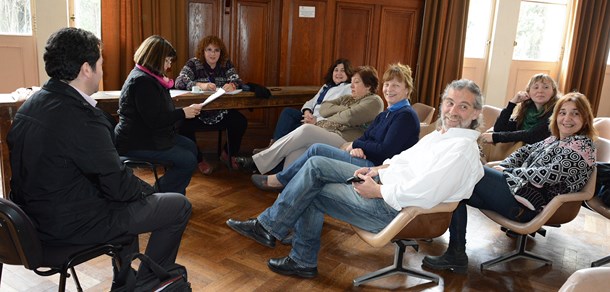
49 16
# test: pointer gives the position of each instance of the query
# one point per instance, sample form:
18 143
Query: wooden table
108 101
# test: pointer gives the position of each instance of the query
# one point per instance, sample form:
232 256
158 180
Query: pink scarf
166 82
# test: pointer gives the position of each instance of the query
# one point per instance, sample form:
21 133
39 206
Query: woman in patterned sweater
528 179
209 70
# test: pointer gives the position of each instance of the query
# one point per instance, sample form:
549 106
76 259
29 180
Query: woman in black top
147 116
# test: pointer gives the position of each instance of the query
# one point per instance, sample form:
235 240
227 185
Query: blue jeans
289 120
319 149
319 188
184 156
490 193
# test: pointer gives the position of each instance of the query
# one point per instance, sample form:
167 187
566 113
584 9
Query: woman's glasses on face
212 51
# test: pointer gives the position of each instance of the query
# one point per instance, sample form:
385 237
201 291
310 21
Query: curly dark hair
212 40
68 49
347 65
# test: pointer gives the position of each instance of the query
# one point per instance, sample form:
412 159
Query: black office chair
20 245
139 162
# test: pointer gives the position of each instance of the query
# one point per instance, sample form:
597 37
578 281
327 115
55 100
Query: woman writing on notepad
208 70
147 116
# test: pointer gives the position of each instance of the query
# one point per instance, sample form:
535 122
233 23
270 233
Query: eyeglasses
169 60
212 51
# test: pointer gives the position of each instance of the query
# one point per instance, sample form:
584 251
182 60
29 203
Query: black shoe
286 266
455 261
252 229
246 163
260 181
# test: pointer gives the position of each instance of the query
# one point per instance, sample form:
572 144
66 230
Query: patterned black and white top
197 71
536 173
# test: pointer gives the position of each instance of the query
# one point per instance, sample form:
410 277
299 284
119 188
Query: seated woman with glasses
208 70
147 116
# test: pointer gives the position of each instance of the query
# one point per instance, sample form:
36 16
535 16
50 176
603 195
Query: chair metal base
397 267
600 262
66 270
520 252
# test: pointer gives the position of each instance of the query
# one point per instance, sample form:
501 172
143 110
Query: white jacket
333 93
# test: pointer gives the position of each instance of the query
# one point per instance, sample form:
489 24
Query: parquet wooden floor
219 259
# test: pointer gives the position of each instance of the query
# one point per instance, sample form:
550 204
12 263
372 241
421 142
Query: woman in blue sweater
394 130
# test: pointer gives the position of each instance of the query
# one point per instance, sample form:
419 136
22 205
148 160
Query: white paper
307 11
214 96
113 93
175 92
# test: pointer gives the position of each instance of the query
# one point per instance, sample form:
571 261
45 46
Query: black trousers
165 215
234 122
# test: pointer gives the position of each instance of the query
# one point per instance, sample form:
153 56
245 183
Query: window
478 27
540 32
15 17
86 14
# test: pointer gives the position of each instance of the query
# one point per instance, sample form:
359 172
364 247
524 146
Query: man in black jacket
67 175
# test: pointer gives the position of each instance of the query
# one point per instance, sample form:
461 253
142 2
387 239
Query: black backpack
602 185
172 278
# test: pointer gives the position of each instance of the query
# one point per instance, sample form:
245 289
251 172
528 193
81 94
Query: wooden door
378 33
204 17
19 59
374 33
253 39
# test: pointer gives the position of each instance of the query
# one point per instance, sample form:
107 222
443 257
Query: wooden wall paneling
399 32
303 44
253 40
353 32
204 17
253 36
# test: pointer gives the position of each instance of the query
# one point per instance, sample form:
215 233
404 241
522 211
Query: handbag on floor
173 278
602 185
